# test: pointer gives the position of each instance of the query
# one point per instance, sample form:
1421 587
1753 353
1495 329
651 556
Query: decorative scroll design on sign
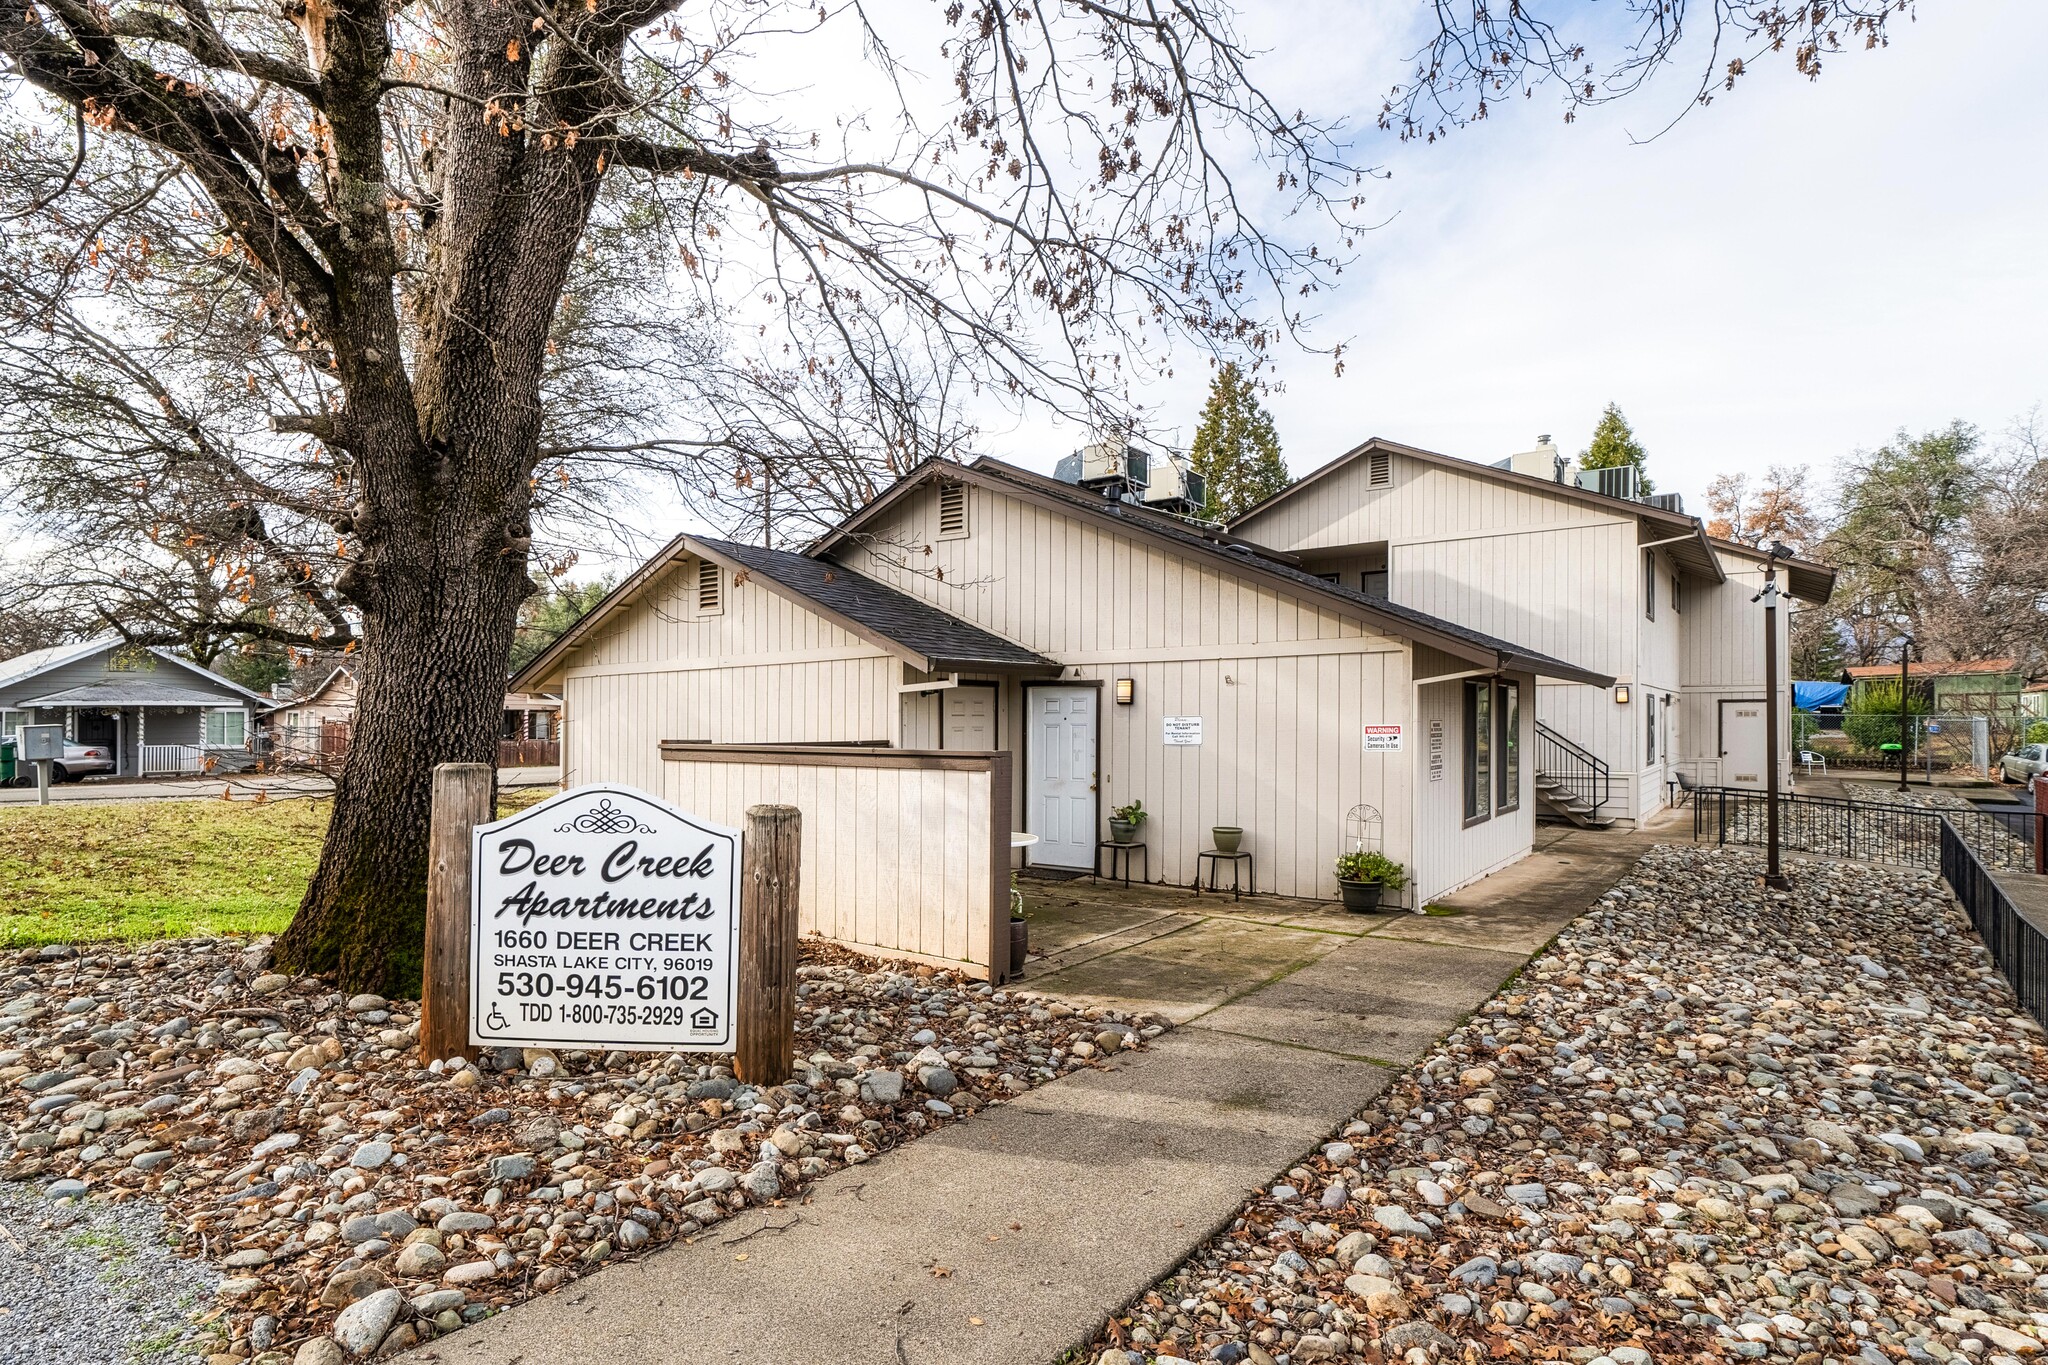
604 819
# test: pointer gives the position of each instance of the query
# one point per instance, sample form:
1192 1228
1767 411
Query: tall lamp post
1905 711
1774 874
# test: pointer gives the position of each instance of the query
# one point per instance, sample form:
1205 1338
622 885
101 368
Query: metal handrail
1871 831
1580 771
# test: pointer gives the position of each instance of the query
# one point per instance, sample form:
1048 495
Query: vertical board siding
1449 854
1723 659
895 860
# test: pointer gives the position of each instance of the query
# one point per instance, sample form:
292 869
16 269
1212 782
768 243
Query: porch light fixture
1621 694
1126 691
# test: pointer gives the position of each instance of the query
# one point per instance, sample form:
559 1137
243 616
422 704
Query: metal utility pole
1905 711
1774 875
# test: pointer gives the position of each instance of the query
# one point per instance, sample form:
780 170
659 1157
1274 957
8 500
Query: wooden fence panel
905 852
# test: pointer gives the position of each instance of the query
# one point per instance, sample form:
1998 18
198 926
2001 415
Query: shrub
1371 867
1872 718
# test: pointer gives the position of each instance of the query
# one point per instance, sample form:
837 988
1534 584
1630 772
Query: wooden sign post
770 864
462 801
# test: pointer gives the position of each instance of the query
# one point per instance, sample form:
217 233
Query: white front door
970 723
1743 751
1059 803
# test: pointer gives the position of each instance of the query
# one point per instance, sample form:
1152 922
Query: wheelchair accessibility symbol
495 1021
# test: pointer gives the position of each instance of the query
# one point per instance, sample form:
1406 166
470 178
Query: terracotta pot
1227 837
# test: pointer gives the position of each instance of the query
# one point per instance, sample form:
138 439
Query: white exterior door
970 722
1059 802
1743 751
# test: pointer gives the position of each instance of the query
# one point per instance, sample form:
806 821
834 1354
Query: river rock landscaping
1709 1123
356 1203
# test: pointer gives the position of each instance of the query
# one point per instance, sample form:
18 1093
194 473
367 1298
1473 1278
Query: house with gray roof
1117 653
159 713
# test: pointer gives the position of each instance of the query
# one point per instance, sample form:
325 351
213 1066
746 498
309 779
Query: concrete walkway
1010 1237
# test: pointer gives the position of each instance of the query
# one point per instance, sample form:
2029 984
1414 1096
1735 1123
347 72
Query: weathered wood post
765 1042
462 801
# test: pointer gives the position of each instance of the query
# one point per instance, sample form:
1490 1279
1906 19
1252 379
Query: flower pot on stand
1124 831
1020 945
1227 837
1361 898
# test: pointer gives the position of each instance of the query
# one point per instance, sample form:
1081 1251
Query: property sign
1183 729
1383 739
607 919
1436 751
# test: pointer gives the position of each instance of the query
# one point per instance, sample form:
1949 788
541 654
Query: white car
79 761
2025 765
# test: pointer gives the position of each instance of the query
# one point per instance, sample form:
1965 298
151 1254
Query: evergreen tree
546 616
1614 445
1235 449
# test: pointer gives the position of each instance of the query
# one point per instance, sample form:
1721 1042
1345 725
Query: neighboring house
1977 687
314 729
1117 653
1622 586
159 713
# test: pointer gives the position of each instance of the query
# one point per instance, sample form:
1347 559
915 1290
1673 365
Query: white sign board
1183 729
1383 739
1436 750
604 918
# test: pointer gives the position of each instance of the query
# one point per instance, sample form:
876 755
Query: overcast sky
1788 275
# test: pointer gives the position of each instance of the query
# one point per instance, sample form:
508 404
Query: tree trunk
431 690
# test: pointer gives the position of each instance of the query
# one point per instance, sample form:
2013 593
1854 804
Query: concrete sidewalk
1010 1237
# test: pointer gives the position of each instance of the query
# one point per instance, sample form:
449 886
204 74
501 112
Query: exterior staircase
1572 783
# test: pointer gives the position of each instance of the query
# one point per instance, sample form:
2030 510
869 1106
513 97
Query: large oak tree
319 314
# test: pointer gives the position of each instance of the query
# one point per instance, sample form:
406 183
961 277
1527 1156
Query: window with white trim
1649 586
226 729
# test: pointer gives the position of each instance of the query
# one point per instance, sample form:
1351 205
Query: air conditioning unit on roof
1622 481
1101 463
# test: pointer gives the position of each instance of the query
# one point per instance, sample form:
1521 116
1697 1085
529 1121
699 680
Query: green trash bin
7 761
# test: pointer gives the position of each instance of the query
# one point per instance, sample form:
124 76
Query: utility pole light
1774 875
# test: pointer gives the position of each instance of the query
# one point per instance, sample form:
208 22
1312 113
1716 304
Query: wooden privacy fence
906 852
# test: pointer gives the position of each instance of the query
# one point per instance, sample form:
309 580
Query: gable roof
319 689
1938 668
22 667
923 635
1236 556
1688 537
1806 579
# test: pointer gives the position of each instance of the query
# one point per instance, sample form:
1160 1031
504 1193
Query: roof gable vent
710 588
1379 469
952 511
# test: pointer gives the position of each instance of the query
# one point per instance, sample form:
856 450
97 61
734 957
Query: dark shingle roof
946 641
1511 656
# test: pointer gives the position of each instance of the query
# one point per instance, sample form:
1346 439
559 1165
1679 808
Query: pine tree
1614 445
1235 448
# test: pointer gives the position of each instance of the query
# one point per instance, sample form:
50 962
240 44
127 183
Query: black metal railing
1579 771
1863 831
2017 946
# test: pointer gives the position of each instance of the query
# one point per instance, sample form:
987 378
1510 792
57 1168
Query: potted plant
1227 837
1363 876
1124 822
1020 929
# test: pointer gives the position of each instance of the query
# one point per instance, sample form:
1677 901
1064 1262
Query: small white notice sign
604 918
1183 729
1383 739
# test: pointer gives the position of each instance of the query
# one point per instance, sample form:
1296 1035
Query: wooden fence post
765 1051
462 801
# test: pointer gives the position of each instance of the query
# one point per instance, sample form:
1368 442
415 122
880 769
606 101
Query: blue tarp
1812 696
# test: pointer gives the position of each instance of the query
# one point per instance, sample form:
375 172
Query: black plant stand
1120 856
1216 855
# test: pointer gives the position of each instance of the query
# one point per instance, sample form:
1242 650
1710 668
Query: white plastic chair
1811 759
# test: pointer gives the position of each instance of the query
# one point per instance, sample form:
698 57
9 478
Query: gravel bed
1708 1124
88 1283
358 1203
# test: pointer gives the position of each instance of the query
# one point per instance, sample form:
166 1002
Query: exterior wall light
1126 691
1621 694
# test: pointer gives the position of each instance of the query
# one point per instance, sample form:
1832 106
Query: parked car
79 761
2025 765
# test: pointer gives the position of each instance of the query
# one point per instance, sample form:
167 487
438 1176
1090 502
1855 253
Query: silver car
79 762
2025 765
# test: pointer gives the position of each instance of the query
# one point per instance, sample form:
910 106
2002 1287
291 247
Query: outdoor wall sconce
1126 691
1621 694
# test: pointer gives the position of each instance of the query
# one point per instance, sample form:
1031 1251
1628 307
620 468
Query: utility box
41 742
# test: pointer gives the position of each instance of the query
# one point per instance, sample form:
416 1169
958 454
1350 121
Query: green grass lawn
160 869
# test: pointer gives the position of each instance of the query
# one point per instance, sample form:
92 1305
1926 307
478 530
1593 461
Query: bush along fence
1965 846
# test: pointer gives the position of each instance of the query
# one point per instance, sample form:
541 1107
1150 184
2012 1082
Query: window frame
1507 782
1478 751
1677 595
1649 585
218 719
